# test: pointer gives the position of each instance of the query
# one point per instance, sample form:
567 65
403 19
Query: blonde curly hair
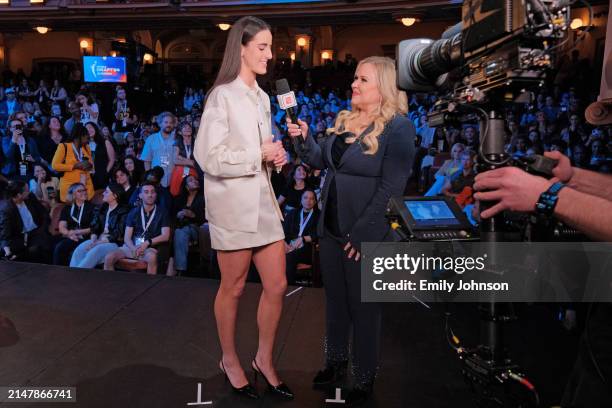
393 101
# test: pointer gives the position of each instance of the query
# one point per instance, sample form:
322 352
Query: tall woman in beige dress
234 148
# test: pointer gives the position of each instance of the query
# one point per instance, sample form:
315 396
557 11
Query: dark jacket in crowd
197 206
291 225
11 226
364 183
4 111
12 157
116 223
70 216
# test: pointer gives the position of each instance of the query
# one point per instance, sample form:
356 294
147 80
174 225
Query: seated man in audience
460 184
300 227
147 228
23 225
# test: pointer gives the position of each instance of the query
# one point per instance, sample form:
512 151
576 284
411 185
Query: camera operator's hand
515 190
563 171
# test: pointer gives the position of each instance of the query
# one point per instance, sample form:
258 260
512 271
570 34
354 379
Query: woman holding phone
235 150
74 159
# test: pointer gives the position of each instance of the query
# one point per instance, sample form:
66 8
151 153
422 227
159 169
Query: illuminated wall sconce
147 58
224 26
408 21
42 29
113 53
37 1
302 42
84 44
327 55
576 24
292 55
5 2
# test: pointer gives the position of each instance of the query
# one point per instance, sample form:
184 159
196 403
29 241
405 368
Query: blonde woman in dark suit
234 148
368 155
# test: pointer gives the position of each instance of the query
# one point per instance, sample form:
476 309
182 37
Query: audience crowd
90 185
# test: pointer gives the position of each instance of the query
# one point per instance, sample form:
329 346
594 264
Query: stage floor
130 340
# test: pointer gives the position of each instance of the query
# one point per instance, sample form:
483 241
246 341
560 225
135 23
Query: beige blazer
228 149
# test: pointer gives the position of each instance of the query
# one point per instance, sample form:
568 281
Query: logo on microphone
287 100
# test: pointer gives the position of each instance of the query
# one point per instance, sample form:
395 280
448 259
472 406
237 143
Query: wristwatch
548 200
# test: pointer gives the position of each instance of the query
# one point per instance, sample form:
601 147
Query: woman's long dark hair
47 172
45 132
78 131
178 136
185 190
121 168
291 178
98 138
136 178
90 100
241 33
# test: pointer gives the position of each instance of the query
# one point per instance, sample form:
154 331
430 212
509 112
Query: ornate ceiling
76 15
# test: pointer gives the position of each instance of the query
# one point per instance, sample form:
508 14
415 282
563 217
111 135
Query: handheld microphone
286 99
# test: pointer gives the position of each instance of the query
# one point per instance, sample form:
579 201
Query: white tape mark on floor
294 291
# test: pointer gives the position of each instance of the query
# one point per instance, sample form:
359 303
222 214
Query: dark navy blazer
364 183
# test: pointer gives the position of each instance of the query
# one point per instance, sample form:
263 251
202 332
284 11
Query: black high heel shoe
358 396
332 373
281 389
247 390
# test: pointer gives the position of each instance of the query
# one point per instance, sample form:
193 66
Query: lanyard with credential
142 218
303 221
22 149
106 221
78 155
78 221
188 151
